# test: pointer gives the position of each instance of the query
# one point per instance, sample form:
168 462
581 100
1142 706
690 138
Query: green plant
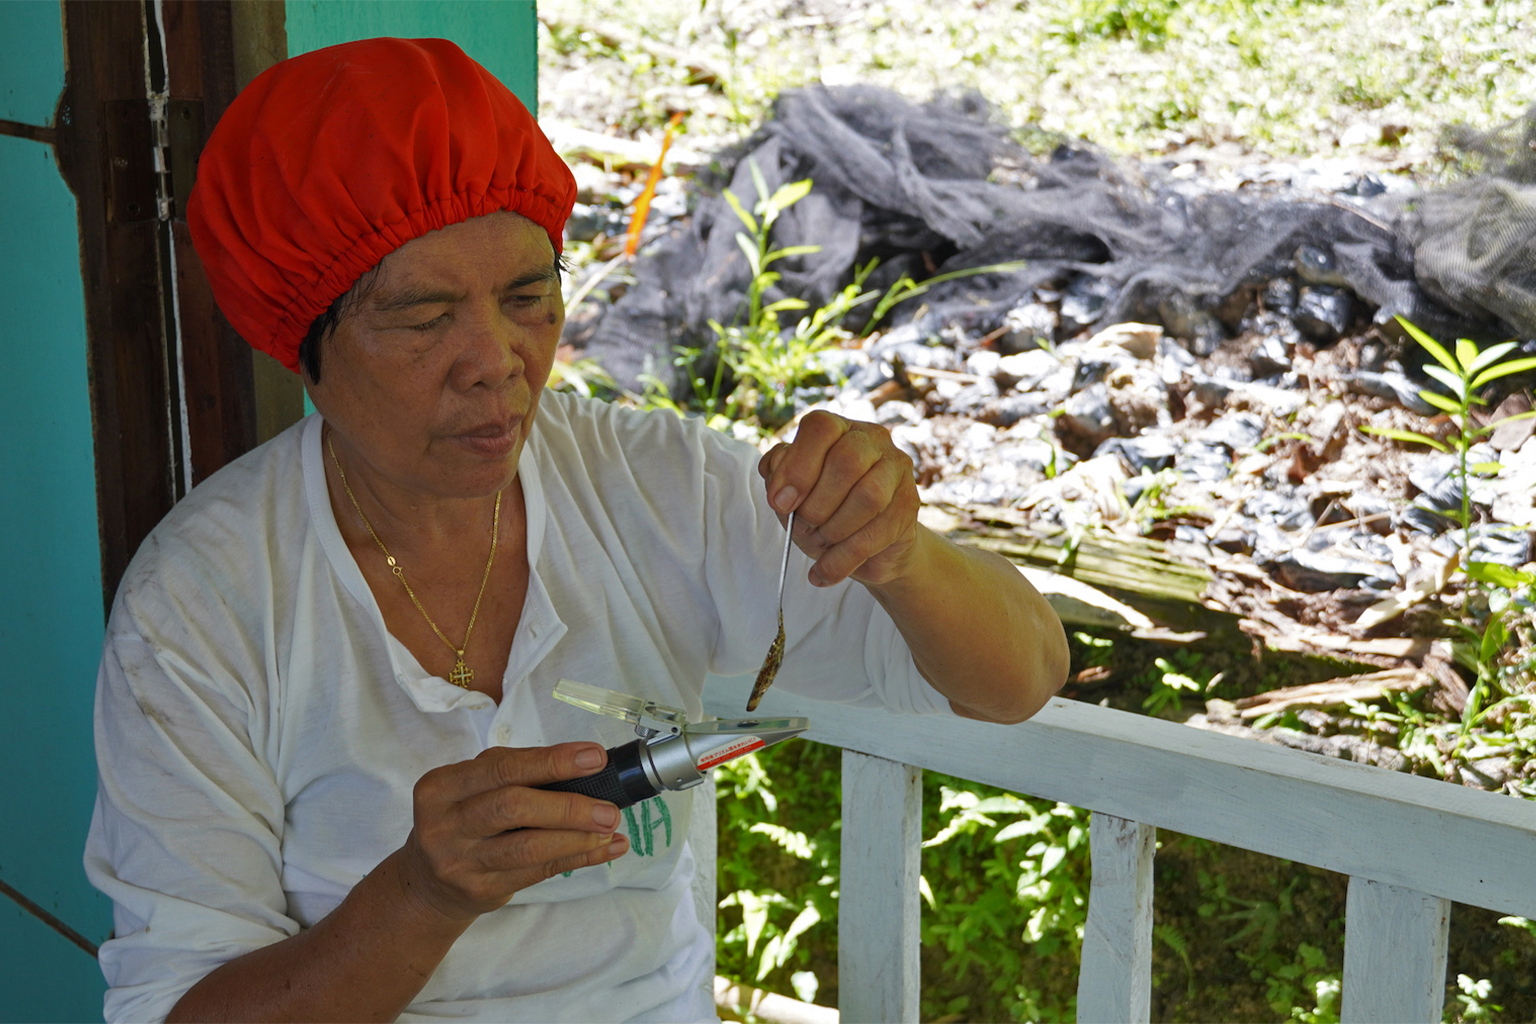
1152 505
1473 1000
1169 686
1290 435
1175 941
767 362
1500 650
778 922
1143 21
586 377
1506 593
1099 649
1278 76
1005 882
1306 979
1463 374
1301 985
748 343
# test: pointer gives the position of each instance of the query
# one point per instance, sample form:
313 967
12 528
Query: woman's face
433 376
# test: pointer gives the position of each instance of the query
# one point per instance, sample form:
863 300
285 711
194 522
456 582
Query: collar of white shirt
539 629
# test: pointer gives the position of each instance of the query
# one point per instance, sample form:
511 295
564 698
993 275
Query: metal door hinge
184 142
151 153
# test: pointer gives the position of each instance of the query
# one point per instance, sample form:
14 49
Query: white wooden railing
1409 845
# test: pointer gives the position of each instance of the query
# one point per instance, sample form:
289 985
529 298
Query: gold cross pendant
462 675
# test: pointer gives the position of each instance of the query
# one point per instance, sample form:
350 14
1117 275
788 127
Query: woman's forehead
501 248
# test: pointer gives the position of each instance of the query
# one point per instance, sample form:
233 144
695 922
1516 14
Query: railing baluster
1114 982
1396 942
877 935
702 842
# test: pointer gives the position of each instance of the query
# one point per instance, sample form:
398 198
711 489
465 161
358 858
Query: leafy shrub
1005 888
1237 935
778 919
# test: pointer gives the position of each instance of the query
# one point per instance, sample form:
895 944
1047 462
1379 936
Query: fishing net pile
927 188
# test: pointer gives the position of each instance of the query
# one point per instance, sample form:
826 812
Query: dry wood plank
1396 943
877 932
1333 692
768 1007
1177 585
1154 576
1301 640
1159 587
1115 980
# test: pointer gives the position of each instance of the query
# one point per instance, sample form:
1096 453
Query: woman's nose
490 353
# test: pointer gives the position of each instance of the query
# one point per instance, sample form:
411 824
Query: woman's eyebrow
549 273
389 302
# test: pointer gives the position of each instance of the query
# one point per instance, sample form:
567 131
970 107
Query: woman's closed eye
530 307
429 325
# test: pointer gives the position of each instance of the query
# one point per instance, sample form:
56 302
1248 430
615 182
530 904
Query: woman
325 691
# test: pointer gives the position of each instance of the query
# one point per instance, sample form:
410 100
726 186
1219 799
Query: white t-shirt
259 732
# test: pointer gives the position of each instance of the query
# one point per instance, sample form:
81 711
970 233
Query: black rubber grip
622 783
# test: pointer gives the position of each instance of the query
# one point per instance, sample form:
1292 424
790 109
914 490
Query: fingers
868 546
545 854
515 807
793 470
482 832
464 881
853 494
872 497
494 792
496 767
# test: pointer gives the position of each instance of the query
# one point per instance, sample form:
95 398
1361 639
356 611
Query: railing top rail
1423 834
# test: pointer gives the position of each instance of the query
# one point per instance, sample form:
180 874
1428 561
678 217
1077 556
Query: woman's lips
491 440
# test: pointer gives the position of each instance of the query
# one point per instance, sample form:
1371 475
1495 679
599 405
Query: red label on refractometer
724 754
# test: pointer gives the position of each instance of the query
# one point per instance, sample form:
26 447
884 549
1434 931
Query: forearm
979 632
365 961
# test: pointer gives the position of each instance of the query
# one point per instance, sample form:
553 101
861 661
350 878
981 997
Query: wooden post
1395 946
1115 981
878 911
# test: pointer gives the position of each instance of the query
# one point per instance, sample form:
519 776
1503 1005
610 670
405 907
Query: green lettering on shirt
643 828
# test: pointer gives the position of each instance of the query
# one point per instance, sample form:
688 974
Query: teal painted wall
50 607
42 976
503 35
32 71
50 610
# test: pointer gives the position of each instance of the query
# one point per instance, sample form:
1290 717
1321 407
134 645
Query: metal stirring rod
789 533
776 652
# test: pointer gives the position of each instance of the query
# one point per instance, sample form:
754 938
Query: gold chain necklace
462 675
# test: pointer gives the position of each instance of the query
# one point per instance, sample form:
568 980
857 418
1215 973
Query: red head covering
331 160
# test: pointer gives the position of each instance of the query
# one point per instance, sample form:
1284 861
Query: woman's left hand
853 495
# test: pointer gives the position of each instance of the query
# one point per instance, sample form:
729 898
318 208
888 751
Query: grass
1374 79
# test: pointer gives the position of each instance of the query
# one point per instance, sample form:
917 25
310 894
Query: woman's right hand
482 832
